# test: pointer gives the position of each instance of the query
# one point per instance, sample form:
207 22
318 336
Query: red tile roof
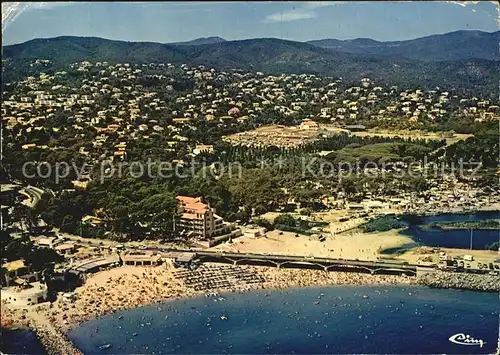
193 204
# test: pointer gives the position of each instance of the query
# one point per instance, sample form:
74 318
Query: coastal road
241 258
326 263
33 193
87 241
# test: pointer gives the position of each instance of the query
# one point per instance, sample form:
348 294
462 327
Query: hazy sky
301 21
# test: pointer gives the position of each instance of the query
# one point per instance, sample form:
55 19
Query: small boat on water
223 317
105 346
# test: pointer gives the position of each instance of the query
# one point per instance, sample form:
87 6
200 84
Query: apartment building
199 218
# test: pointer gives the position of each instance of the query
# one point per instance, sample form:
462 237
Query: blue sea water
453 238
390 321
20 341
327 320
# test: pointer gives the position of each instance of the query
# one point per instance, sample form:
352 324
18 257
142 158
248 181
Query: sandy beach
347 241
352 244
130 286
348 245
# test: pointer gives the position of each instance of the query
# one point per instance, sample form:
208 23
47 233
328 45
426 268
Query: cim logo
465 339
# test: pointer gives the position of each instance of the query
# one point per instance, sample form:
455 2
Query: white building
25 294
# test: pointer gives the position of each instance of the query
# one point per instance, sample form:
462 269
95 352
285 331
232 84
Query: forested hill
199 41
458 45
266 55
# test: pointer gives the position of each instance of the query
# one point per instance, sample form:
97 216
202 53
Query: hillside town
101 112
62 233
114 106
249 178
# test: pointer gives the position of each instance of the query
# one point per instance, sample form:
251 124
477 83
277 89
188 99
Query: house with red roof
309 124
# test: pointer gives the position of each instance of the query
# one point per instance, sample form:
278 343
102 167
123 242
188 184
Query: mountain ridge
200 41
462 44
269 55
457 45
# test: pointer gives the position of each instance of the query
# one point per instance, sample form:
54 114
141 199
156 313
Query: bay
326 320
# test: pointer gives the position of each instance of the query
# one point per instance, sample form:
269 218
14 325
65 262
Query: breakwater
55 342
461 281
52 339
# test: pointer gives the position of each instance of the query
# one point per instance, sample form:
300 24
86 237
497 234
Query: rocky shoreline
52 340
55 342
494 207
460 281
